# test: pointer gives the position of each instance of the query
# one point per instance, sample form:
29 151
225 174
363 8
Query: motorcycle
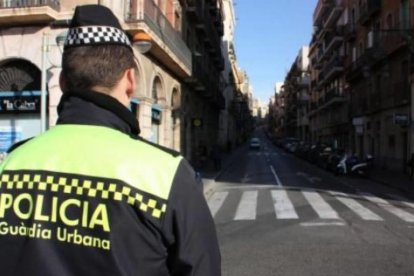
351 165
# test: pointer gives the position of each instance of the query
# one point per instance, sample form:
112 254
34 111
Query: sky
268 37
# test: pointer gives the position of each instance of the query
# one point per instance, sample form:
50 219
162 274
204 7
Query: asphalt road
279 215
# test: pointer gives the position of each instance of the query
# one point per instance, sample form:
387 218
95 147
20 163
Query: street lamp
143 42
60 39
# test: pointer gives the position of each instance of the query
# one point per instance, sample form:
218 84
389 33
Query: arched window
19 75
156 89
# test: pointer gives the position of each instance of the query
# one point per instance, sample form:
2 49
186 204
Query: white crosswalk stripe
216 201
283 206
357 207
402 214
323 209
247 206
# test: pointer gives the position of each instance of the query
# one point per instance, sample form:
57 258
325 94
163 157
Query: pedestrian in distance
89 196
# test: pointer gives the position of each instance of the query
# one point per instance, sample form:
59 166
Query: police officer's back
89 197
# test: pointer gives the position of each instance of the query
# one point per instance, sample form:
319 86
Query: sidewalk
209 174
397 180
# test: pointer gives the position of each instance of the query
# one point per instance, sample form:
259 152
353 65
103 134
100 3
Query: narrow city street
277 214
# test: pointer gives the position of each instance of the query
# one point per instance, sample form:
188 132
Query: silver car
254 143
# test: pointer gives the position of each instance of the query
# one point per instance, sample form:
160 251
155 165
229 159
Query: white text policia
32 207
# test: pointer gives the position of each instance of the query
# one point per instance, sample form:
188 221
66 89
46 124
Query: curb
211 184
208 186
386 183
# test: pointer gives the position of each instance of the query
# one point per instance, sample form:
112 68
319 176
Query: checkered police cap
95 25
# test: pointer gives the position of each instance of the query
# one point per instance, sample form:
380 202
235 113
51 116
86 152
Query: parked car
254 143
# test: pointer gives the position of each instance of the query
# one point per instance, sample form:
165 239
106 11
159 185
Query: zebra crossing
325 205
264 153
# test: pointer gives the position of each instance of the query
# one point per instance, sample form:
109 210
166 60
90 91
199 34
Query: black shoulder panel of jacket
167 150
189 228
18 144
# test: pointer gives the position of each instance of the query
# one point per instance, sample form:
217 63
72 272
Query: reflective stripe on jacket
72 205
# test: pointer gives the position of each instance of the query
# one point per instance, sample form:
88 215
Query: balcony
334 13
319 58
393 40
350 30
199 76
332 41
303 81
334 67
368 10
28 12
303 97
320 12
211 35
332 99
195 10
361 66
168 46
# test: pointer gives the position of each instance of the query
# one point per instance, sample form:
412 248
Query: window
405 14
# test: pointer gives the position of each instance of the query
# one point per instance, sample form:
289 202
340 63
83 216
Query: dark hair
87 66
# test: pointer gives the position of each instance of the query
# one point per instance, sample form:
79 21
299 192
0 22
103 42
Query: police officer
89 197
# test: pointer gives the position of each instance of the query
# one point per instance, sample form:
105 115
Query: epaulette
165 149
18 144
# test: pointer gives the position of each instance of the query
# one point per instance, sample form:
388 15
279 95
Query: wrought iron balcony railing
148 12
13 4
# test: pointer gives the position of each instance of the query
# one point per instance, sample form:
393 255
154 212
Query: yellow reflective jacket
88 198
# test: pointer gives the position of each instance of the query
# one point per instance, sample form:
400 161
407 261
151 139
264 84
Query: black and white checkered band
94 35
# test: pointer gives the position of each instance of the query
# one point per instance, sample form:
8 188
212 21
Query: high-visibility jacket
88 198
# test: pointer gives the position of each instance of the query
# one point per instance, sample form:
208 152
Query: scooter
351 165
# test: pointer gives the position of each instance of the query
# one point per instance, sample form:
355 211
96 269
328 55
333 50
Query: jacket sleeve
189 228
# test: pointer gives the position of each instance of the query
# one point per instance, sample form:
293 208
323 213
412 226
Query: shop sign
357 121
401 119
27 102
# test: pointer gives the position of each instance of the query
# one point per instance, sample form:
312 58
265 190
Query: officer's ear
131 82
62 82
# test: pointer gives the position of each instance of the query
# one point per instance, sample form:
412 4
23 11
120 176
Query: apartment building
296 97
361 67
178 98
328 114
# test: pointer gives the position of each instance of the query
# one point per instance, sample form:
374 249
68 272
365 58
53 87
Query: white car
254 143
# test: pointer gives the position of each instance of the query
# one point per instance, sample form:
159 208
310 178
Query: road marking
323 209
247 206
356 207
302 174
276 177
314 178
283 206
232 186
310 224
216 201
404 215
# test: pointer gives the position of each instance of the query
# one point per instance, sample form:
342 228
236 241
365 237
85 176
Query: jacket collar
95 108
